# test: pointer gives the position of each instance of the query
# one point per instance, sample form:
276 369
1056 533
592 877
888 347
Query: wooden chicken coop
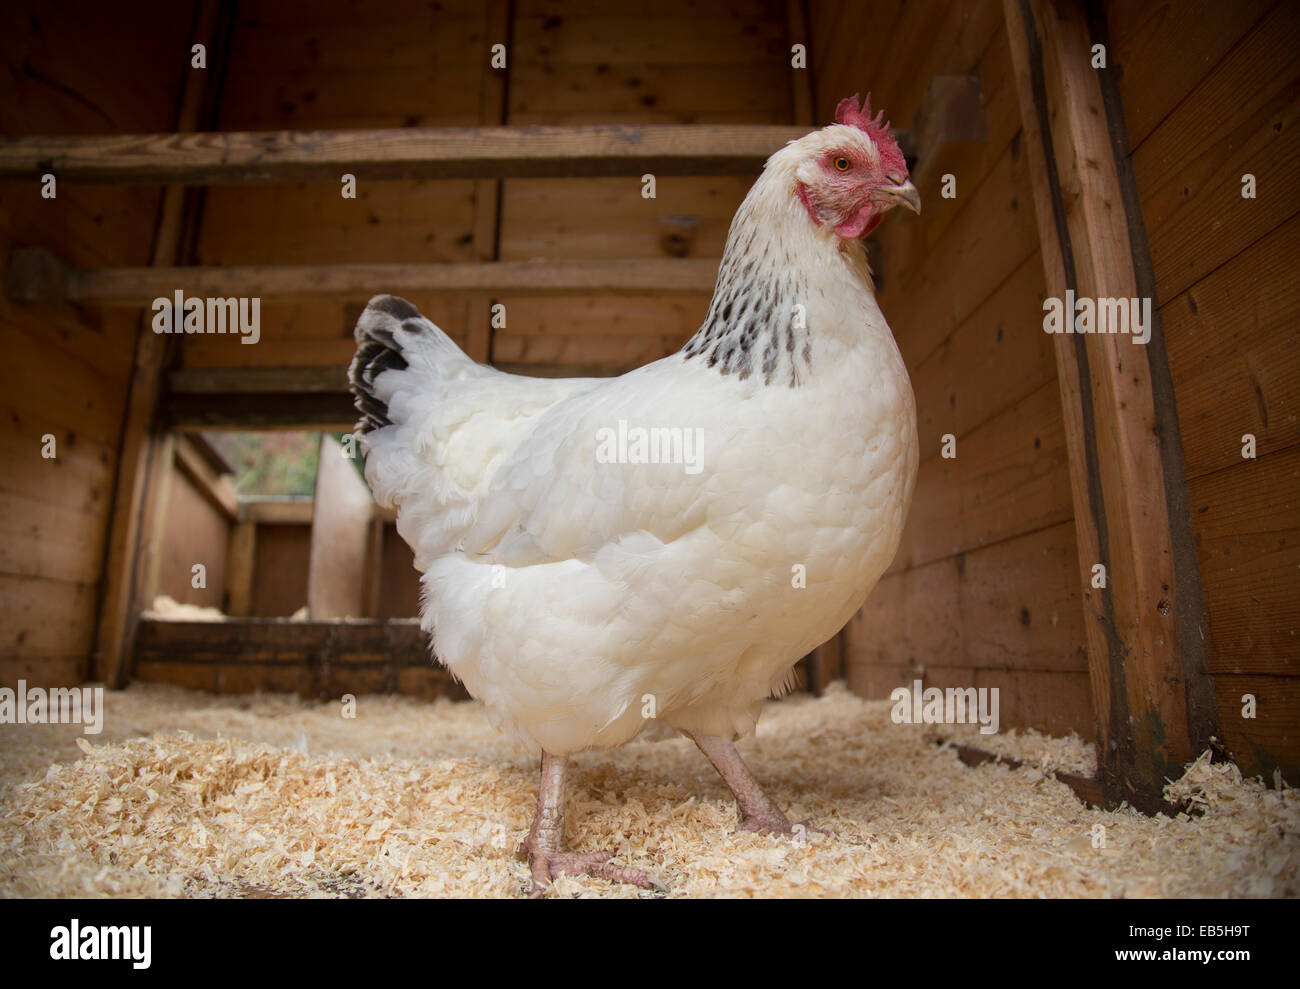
1106 531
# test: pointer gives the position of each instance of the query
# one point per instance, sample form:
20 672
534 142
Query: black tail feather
378 351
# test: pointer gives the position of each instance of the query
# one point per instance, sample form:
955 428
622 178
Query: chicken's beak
901 194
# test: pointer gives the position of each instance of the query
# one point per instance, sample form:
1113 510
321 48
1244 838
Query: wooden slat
1266 743
215 487
996 357
1008 606
995 225
1247 522
44 617
1010 476
312 658
296 511
140 286
40 538
1142 688
1234 353
1243 118
401 153
1165 49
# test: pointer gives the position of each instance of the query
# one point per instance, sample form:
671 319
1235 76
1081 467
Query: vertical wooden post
241 551
144 457
374 576
1143 677
487 192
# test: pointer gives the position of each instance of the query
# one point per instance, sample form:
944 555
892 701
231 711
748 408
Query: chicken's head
853 172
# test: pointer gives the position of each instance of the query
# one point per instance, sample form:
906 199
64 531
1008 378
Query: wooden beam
403 153
145 461
216 488
279 511
1141 684
312 658
295 410
294 397
140 286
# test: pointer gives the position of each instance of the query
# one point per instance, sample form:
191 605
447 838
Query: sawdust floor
187 794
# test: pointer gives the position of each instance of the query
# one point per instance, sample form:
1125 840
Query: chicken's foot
757 811
544 845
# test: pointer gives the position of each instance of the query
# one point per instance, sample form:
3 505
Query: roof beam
405 153
36 276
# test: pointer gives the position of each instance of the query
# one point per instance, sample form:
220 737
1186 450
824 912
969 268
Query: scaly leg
545 848
757 811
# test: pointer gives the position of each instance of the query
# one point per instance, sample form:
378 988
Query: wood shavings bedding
186 794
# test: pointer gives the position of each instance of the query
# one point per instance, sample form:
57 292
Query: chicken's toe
547 866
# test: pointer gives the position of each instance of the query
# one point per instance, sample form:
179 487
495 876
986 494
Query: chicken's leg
757 811
545 848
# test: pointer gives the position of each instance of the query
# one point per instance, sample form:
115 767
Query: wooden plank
1235 356
969 162
1010 476
1266 743
339 537
78 477
1007 607
43 539
1143 690
615 352
997 356
140 286
997 226
256 381
1164 50
45 617
213 486
281 558
332 412
402 153
1247 521
848 43
281 511
1243 118
197 532
313 658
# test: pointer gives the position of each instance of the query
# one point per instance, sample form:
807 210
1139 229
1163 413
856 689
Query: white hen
575 587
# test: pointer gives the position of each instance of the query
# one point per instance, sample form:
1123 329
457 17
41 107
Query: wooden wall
66 372
567 63
1211 92
984 591
196 531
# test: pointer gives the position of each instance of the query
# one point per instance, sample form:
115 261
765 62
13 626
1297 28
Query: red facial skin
843 198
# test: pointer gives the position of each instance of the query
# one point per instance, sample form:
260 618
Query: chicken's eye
841 164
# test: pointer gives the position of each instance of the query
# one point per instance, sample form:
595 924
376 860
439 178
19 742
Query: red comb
849 114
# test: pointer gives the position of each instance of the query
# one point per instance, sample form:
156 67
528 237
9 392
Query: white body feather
566 593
